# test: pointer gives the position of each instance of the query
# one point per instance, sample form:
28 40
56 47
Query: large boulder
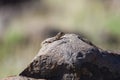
72 57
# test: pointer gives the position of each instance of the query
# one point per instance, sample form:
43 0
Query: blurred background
25 23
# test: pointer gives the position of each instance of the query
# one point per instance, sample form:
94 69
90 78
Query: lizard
55 38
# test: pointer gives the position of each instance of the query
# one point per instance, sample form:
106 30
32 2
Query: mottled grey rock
19 78
72 57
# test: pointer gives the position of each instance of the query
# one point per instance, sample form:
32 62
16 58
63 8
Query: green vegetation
114 24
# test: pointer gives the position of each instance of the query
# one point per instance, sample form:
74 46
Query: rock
20 78
72 57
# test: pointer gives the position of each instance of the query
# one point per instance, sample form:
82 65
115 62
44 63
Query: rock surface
19 78
72 57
